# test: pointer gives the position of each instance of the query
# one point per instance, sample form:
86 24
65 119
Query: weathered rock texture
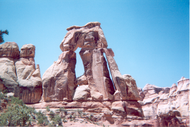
9 53
91 40
18 73
94 91
132 91
59 80
168 104
28 76
118 80
97 74
115 97
113 112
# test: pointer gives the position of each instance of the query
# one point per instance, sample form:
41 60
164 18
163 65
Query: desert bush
57 120
51 115
17 115
16 100
47 108
42 119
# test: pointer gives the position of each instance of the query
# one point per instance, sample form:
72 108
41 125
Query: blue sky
150 38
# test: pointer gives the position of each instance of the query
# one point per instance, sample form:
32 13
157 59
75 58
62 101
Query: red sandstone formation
18 73
99 86
94 91
28 76
114 99
59 79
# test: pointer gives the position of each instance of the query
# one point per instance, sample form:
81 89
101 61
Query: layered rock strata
111 111
166 104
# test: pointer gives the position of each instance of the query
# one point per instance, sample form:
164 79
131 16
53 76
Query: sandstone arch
90 38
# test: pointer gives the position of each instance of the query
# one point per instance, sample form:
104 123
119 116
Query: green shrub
51 115
57 120
17 115
47 108
42 119
16 100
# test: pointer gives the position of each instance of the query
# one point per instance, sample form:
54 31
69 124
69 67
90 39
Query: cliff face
166 102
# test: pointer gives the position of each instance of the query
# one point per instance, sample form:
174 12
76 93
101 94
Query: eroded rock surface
97 74
9 53
132 91
91 40
28 76
112 97
94 91
168 104
59 80
82 92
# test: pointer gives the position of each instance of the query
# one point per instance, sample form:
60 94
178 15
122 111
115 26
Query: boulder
81 80
132 93
81 93
118 108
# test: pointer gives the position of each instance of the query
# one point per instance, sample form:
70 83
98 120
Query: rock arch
61 75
